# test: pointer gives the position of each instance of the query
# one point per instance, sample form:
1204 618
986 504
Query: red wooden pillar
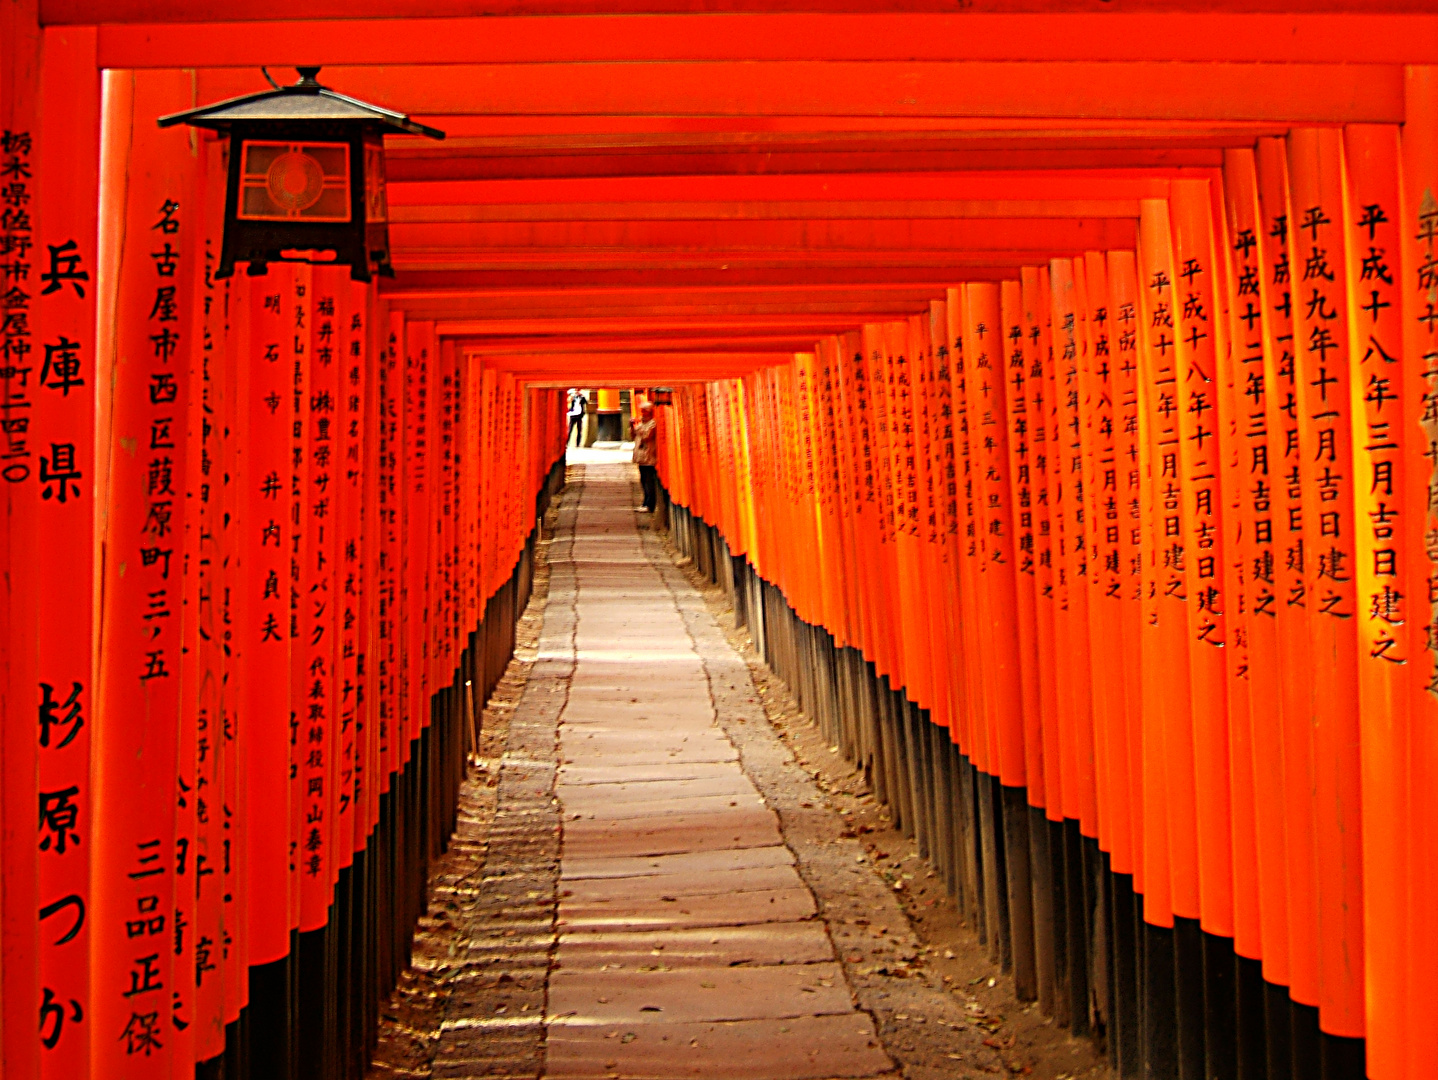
947 484
138 1003
1383 445
1417 981
213 929
1202 424
866 499
234 617
350 478
1066 515
297 307
20 994
197 918
1318 240
414 501
1255 717
1123 344
1104 482
988 437
60 170
390 392
908 549
937 632
973 740
263 626
876 381
1290 957
1169 857
317 707
1047 790
369 767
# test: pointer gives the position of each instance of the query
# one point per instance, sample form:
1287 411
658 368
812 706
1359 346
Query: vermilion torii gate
264 538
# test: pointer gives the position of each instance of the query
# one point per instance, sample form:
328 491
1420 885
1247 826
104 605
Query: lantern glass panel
376 197
292 181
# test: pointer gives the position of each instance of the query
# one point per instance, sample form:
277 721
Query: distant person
578 404
646 454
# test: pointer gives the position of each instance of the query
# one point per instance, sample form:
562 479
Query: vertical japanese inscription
1326 374
317 708
60 175
17 244
141 1003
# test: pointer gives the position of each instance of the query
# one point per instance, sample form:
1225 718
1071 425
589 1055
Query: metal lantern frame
292 120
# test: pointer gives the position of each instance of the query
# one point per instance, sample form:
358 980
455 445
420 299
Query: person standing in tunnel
645 454
578 403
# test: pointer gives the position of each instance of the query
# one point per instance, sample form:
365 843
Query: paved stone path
644 883
686 939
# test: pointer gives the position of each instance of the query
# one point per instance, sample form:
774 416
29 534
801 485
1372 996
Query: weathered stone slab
691 994
580 772
581 797
682 883
675 833
703 909
718 805
573 868
724 946
801 1049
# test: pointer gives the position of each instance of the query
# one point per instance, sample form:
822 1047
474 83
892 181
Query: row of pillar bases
314 1013
1161 1003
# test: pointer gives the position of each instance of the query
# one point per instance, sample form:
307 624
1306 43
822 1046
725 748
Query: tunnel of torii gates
1050 386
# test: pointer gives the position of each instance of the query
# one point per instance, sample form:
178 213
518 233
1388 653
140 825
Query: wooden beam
922 187
1109 36
600 129
1297 92
445 287
645 369
450 161
866 306
815 326
736 342
860 274
661 239
766 210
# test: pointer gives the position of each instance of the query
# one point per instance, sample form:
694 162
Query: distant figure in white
577 404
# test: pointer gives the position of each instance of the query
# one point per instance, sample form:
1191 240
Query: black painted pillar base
1250 995
1343 1058
1126 1036
1188 974
237 1060
1307 1058
1160 1012
274 1017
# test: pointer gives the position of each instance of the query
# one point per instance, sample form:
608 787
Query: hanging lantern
661 395
306 177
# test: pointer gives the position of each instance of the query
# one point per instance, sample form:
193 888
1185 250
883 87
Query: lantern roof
304 100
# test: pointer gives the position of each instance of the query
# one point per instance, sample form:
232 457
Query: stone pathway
686 939
644 883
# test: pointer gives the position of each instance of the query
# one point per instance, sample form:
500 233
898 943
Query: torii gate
663 195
